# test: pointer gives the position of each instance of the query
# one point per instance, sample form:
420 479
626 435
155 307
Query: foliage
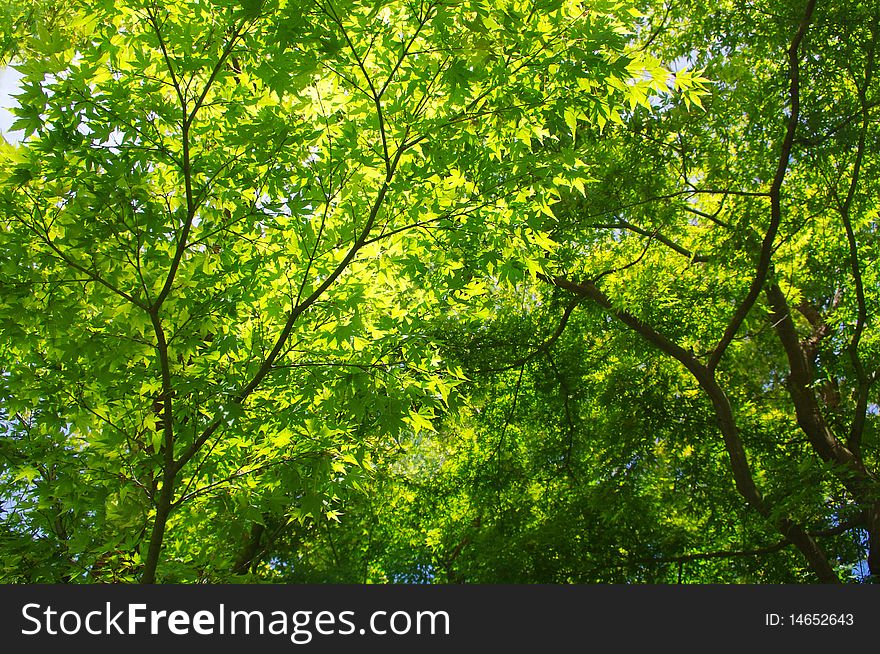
442 291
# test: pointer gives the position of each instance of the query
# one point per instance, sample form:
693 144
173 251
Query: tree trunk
157 535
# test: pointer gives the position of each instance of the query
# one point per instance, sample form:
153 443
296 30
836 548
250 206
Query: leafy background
445 291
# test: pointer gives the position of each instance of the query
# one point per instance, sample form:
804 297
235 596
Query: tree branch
766 253
543 347
655 235
739 463
294 315
854 440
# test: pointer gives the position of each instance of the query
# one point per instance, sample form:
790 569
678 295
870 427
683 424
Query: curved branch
543 347
810 419
766 254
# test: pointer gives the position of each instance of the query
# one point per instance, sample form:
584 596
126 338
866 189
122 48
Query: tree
222 235
442 292
707 328
779 298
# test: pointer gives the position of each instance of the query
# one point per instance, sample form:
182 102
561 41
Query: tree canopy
440 291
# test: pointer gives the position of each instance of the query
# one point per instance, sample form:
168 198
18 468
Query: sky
9 78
